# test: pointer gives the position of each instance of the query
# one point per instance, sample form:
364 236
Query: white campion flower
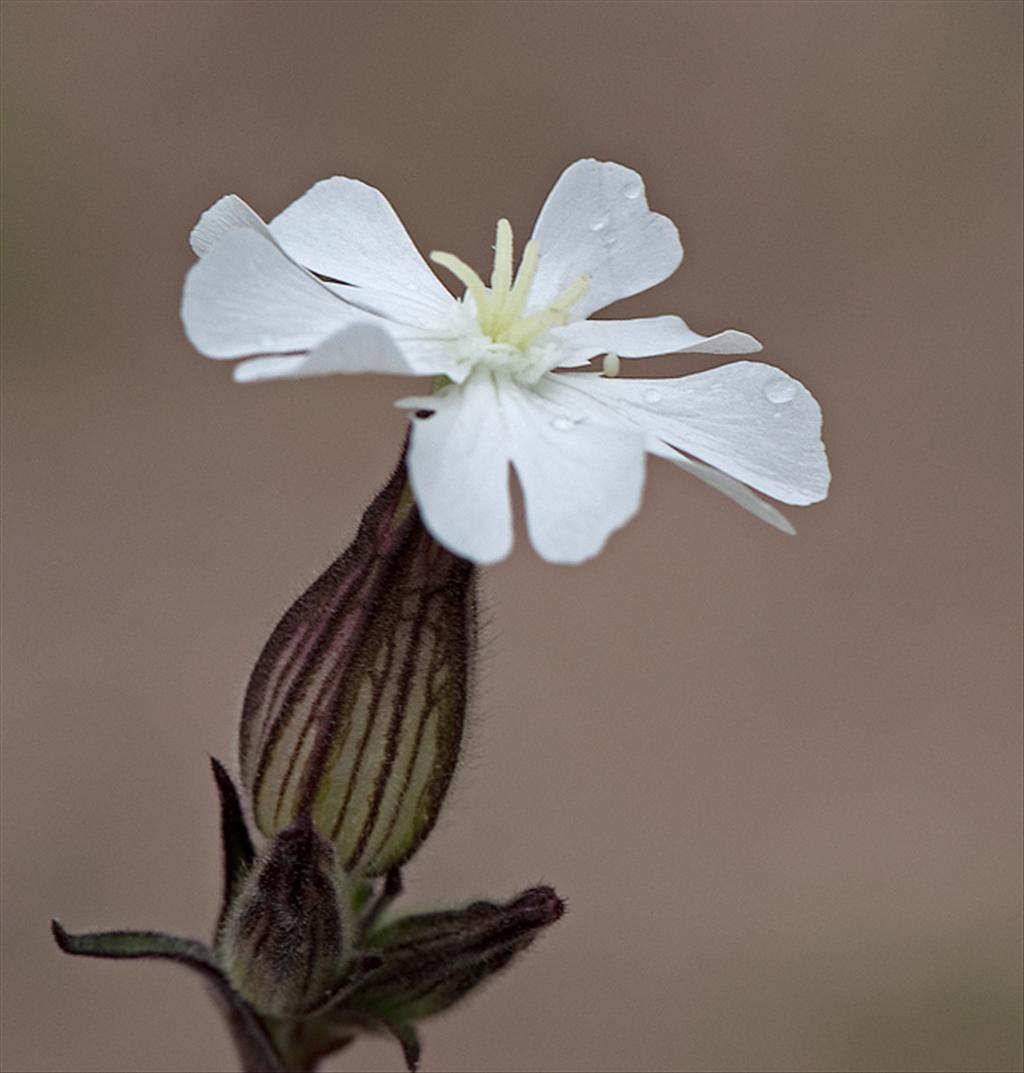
334 284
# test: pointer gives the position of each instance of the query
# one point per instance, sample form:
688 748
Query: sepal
356 706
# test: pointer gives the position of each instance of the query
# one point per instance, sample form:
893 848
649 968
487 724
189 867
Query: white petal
244 296
749 420
582 471
596 221
227 214
728 342
737 492
643 337
418 402
346 230
280 368
458 466
363 347
405 308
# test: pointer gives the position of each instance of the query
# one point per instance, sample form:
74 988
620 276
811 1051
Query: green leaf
409 1040
257 1053
136 944
234 836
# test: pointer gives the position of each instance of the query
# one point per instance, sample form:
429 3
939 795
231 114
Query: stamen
523 331
469 279
499 309
528 328
501 277
611 365
572 294
524 281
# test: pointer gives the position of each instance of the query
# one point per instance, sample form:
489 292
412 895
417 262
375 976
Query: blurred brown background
778 780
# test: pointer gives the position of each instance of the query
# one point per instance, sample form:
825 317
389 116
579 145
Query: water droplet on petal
601 223
567 420
633 190
781 390
651 396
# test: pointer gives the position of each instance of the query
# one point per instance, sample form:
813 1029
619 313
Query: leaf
257 1053
409 1041
136 944
234 836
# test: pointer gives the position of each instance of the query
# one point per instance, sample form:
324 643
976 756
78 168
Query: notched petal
227 214
749 420
459 470
645 337
596 222
244 296
347 230
582 474
738 492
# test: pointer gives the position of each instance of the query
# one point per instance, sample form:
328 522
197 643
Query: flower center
501 308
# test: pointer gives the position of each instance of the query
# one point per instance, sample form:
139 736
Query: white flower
334 284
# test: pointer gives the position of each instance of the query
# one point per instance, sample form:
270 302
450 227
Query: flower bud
284 938
355 709
431 960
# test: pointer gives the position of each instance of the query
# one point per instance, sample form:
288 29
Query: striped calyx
355 710
285 937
